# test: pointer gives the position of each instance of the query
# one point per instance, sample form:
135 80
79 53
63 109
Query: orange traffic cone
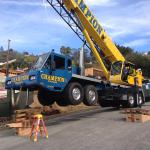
38 126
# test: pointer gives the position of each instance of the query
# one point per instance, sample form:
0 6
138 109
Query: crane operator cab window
124 69
116 68
128 70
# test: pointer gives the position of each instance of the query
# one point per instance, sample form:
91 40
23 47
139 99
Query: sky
33 26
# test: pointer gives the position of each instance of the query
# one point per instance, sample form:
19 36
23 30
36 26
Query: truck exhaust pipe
81 61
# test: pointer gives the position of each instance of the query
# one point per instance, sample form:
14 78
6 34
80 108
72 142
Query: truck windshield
40 62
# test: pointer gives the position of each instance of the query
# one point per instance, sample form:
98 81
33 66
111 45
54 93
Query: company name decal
52 78
89 16
20 78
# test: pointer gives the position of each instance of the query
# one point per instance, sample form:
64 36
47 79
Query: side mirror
69 68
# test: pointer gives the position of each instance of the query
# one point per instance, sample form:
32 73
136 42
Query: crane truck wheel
131 101
61 101
74 93
90 95
140 100
104 103
45 98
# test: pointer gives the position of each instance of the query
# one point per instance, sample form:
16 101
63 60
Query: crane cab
125 73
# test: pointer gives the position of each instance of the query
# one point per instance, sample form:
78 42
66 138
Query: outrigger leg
27 99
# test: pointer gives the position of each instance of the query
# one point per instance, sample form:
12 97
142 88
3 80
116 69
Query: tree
3 56
25 53
125 50
1 48
76 56
65 50
87 57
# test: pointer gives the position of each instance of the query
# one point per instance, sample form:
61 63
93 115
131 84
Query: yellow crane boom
103 48
93 30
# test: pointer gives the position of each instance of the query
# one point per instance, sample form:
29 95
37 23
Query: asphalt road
99 129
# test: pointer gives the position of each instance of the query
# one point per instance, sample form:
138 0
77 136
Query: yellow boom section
95 32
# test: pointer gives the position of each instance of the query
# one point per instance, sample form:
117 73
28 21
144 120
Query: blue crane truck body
56 79
43 76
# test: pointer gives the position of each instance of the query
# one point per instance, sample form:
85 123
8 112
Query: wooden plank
31 110
20 111
137 118
144 118
136 111
142 111
20 115
15 125
20 120
23 131
27 124
23 124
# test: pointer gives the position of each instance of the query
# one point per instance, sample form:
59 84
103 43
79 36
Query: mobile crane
96 35
57 79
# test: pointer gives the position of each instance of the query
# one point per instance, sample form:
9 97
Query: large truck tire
90 95
116 104
140 100
74 93
61 101
45 98
104 103
131 101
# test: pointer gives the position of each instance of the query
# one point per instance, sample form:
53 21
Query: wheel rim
131 100
76 93
140 100
92 95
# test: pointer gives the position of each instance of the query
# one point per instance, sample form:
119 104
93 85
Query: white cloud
128 20
101 2
21 3
146 33
136 43
42 24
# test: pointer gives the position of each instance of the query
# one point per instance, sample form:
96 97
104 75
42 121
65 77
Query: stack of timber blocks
137 115
22 120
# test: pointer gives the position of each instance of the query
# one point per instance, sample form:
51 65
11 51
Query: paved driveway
99 129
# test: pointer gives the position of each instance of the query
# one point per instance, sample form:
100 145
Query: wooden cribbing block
137 118
15 125
23 131
20 115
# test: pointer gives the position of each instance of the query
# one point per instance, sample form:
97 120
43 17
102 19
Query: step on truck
61 81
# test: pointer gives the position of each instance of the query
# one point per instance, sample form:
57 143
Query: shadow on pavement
78 116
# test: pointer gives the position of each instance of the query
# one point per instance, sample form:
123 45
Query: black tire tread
45 98
68 93
86 100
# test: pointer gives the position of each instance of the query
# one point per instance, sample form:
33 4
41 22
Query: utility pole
7 65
